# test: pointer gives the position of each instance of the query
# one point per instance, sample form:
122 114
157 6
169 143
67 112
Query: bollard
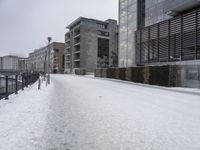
16 84
26 81
6 98
12 81
39 84
22 82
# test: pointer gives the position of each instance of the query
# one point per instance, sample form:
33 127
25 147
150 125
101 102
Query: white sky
25 24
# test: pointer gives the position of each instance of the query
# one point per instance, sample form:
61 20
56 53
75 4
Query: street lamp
49 52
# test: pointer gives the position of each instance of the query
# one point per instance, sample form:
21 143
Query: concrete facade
85 44
38 60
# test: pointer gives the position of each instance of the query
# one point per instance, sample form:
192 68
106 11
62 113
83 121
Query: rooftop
75 22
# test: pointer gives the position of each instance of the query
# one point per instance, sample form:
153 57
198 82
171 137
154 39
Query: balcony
76 56
67 37
77 49
77 31
77 40
67 40
77 60
77 52
67 48
77 36
77 44
76 64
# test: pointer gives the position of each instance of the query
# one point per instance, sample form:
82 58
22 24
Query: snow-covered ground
85 113
23 119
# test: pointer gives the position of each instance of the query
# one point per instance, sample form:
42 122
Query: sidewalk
23 118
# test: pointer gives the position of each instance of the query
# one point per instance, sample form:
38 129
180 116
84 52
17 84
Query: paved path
92 114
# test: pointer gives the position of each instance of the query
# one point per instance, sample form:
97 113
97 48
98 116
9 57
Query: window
56 50
102 26
103 33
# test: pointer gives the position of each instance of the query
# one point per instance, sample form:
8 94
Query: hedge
138 75
111 73
98 73
159 75
155 75
122 73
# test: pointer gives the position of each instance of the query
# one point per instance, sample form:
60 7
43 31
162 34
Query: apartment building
13 63
37 60
22 64
1 62
31 62
91 43
57 57
10 62
40 58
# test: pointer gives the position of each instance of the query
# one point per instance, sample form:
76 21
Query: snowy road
79 113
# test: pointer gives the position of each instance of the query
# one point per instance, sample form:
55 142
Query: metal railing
10 84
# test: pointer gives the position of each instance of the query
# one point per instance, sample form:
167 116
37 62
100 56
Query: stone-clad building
38 60
91 43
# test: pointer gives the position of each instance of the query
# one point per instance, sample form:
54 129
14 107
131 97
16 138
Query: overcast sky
25 24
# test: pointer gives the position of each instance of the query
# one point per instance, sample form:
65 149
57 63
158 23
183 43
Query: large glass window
127 26
154 12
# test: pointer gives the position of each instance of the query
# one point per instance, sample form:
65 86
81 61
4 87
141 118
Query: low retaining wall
169 75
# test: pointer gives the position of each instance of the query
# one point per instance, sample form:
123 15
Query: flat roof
83 18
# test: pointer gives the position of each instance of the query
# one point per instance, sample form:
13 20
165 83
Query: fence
10 84
175 39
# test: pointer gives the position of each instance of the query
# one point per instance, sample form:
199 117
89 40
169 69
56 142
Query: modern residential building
39 59
175 40
13 63
91 43
31 65
1 62
57 57
161 32
138 14
10 62
22 64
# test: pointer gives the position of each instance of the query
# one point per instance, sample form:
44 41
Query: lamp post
49 52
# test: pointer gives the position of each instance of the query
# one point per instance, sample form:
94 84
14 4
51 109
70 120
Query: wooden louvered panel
171 40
